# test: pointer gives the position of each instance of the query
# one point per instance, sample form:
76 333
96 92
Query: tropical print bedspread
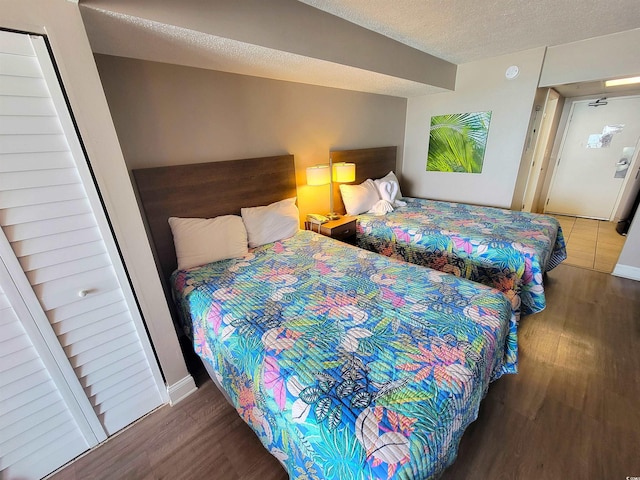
504 249
348 364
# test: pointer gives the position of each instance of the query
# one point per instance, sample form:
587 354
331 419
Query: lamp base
333 216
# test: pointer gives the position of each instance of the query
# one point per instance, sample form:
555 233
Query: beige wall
598 58
480 86
170 115
61 21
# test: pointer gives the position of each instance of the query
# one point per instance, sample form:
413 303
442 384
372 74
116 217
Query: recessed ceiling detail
244 37
402 48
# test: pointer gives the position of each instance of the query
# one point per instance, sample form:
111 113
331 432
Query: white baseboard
181 389
626 271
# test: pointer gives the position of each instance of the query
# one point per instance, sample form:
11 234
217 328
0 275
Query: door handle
622 165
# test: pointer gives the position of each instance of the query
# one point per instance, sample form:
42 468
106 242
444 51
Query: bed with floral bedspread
348 364
505 249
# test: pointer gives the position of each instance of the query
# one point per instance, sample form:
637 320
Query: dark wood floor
572 412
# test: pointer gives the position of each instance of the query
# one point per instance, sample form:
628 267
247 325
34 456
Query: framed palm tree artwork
457 142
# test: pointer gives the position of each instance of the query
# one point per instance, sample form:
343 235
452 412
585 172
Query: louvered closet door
57 246
39 430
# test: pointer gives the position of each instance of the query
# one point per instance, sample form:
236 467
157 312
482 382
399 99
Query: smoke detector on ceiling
512 72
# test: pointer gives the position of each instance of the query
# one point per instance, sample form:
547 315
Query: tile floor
592 244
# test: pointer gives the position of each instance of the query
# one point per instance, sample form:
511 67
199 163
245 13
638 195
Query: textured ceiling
461 31
457 31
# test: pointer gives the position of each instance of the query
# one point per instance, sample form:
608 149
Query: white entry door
591 169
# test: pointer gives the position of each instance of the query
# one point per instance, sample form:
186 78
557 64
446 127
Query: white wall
629 261
171 115
480 86
60 20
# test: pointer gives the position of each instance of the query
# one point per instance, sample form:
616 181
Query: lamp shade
318 175
344 172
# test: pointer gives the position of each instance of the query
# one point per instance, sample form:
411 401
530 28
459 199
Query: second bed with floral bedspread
345 363
505 249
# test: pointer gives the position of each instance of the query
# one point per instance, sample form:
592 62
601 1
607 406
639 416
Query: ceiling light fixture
622 81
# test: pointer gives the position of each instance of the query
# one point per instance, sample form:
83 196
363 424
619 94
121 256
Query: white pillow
359 198
390 177
200 241
271 223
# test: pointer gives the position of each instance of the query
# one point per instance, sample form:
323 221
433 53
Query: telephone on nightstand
316 218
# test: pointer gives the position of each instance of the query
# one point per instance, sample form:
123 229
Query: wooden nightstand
343 229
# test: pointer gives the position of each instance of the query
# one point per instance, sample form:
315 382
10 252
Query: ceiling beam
293 27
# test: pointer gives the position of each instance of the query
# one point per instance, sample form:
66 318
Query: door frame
541 151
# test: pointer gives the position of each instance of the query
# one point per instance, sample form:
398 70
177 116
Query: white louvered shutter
58 250
39 429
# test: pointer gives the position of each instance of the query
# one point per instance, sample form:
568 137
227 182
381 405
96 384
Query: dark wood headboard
207 190
370 163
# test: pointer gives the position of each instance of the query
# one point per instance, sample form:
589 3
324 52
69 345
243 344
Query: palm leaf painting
457 142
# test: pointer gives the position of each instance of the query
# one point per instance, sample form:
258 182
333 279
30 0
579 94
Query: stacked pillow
359 198
365 197
271 223
204 240
199 241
